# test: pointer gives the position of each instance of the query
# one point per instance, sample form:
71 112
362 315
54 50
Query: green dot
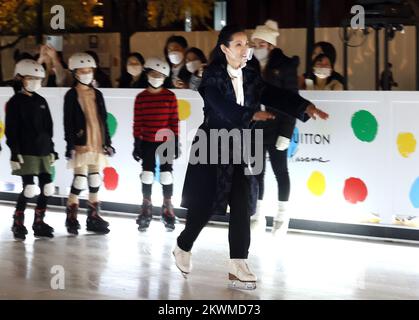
112 124
364 125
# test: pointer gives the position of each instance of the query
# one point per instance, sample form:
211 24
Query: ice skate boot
183 260
168 216
145 216
39 227
71 222
18 228
240 275
94 222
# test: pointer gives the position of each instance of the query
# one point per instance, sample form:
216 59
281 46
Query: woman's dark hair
198 52
137 55
328 49
177 39
225 36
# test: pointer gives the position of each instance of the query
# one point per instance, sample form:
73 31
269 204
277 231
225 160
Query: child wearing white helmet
29 131
156 120
88 142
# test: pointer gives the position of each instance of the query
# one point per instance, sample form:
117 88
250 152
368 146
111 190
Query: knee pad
95 180
79 182
166 178
30 191
49 189
147 177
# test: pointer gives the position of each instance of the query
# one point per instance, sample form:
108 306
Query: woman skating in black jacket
232 95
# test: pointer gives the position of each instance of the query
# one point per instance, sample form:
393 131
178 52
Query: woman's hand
263 116
313 113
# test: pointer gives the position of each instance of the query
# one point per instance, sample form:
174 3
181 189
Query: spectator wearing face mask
195 64
329 50
322 76
134 75
174 51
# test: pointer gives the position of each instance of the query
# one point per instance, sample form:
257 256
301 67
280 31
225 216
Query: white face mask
33 85
175 57
193 66
261 53
322 73
86 79
155 82
134 70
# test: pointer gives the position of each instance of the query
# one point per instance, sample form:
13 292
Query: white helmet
29 67
158 65
81 60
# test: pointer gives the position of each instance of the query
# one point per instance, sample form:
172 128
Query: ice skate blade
43 236
235 283
73 232
184 274
101 232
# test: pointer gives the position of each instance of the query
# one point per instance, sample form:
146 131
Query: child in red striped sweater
156 115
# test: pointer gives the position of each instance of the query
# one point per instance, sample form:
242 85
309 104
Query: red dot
110 178
355 190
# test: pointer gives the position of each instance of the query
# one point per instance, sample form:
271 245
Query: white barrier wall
361 166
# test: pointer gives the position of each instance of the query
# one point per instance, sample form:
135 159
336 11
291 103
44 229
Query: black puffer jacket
29 127
75 121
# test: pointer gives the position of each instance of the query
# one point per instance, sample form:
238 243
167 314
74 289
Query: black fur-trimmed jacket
75 121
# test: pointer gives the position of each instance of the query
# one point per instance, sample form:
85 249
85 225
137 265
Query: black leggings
43 179
239 224
279 162
149 164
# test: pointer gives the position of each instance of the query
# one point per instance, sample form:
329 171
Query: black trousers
43 179
239 223
149 164
279 162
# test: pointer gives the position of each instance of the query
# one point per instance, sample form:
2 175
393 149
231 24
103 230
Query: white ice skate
281 220
183 261
240 275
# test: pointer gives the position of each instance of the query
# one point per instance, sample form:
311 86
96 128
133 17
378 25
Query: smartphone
55 42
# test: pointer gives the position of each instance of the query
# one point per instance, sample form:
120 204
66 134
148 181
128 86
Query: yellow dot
406 144
317 183
184 109
1 130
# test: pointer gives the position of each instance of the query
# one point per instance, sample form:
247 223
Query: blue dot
292 149
414 194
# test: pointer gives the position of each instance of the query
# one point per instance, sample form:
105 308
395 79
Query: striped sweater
154 112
